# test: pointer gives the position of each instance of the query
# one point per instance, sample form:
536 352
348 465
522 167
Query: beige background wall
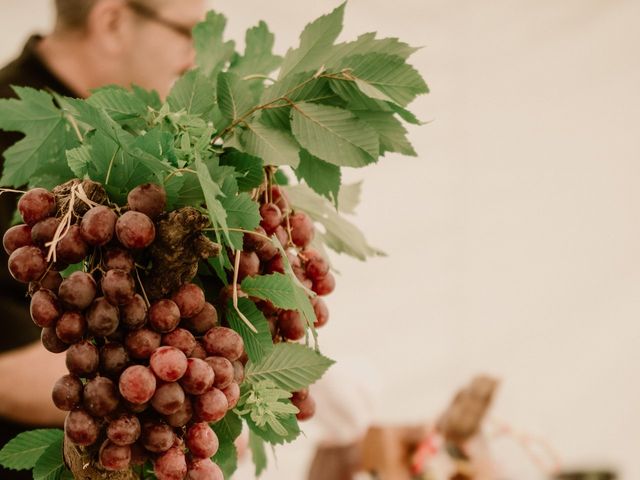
513 239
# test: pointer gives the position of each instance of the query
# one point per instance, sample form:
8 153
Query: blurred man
94 43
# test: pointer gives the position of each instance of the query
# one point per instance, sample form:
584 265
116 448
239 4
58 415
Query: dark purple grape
203 321
223 342
271 217
77 291
199 351
135 230
164 315
72 248
198 378
44 231
124 430
171 465
81 428
168 398
204 469
168 363
136 407
51 342
139 455
137 384
321 310
133 315
190 300
51 281
211 406
113 359
71 327
102 317
201 440
83 359
150 199
118 287
98 225
300 395
67 393
182 416
291 324
114 457
142 343
100 397
306 407
232 392
223 370
118 258
181 339
45 308
27 264
16 237
157 437
35 205
324 285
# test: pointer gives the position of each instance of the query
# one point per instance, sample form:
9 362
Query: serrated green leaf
368 43
212 52
249 168
277 288
257 345
211 191
273 146
258 58
323 177
227 430
194 93
78 160
234 97
340 235
22 452
258 453
334 135
349 197
50 464
289 423
315 42
119 102
393 136
242 214
148 97
290 366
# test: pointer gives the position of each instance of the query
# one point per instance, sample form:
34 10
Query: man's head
142 42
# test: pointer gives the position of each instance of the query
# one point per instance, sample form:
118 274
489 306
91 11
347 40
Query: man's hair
73 14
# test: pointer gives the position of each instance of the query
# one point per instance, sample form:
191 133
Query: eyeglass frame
150 14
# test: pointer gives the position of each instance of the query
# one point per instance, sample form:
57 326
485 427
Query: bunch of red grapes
295 231
145 379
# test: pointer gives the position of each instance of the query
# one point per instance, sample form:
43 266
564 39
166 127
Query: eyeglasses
150 14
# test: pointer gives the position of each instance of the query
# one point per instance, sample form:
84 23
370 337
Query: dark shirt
17 328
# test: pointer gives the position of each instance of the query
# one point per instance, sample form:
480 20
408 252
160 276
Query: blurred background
512 240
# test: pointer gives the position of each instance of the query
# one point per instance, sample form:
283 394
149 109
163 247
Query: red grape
199 351
198 378
71 327
306 407
100 397
168 363
282 235
138 454
118 287
98 225
211 406
16 237
77 291
102 317
45 308
118 258
114 457
232 392
201 440
113 359
44 231
181 339
27 264
35 205
50 281
135 230
72 248
302 229
238 372
291 324
81 428
149 199
223 370
324 285
51 342
300 395
142 343
164 315
190 300
279 197
223 342
82 359
67 393
124 430
134 314
137 384
204 469
271 217
171 465
249 265
168 398
316 265
182 416
321 310
157 437
203 321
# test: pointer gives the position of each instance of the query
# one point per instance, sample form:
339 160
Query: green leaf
227 430
323 177
212 52
48 135
273 146
24 450
349 197
340 235
119 102
277 288
258 58
234 97
148 97
257 345
50 465
334 135
290 366
389 74
393 135
288 423
315 43
249 168
211 191
368 43
242 213
194 93
258 453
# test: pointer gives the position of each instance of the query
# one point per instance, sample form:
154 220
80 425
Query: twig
235 294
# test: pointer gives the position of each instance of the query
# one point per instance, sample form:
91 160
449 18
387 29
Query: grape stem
10 190
235 294
144 293
63 227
